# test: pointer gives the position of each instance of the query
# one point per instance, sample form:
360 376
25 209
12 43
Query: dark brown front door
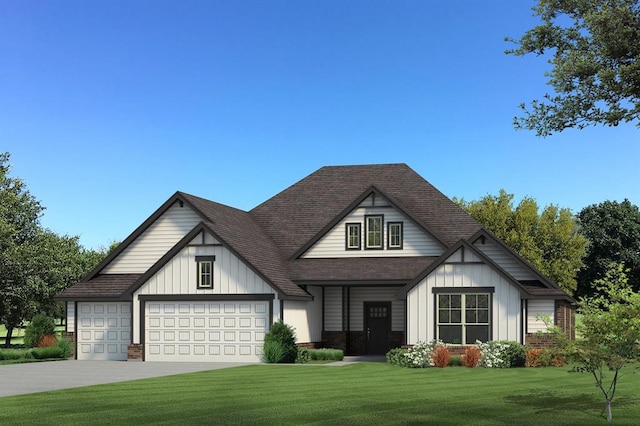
377 326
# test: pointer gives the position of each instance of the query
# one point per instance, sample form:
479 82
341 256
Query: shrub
471 357
501 354
273 352
38 327
420 355
303 356
533 357
455 361
286 337
441 356
9 354
326 354
398 356
66 346
47 340
47 353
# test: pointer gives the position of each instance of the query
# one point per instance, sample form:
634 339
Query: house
362 258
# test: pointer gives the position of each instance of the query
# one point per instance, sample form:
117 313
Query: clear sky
108 107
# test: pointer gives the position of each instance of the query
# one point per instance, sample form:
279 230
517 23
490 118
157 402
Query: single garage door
226 331
104 330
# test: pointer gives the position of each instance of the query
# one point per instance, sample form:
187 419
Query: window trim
463 292
368 246
348 226
400 225
201 260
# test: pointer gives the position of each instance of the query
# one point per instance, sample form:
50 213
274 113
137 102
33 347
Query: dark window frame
463 323
200 261
367 245
389 237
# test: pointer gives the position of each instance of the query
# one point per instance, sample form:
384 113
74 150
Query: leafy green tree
610 331
595 64
613 231
549 240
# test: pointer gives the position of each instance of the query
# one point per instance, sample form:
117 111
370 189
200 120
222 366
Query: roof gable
301 213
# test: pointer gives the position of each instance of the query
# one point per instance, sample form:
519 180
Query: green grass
360 394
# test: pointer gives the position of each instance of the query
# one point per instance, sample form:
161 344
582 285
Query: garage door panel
213 331
104 330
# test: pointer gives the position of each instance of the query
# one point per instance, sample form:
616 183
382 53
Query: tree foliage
595 64
549 239
610 331
613 231
35 263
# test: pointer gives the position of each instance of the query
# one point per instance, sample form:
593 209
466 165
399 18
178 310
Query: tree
613 231
549 240
610 331
595 67
35 263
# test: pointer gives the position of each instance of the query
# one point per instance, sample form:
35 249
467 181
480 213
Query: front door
377 326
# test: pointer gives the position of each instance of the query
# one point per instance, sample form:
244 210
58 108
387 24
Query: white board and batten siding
506 315
104 330
155 241
539 309
205 327
305 317
416 242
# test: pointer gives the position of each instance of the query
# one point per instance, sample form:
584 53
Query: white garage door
226 331
104 330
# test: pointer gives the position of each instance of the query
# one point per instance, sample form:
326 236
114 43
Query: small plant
533 357
441 356
47 340
455 361
303 356
65 346
471 357
39 326
273 352
286 336
47 352
398 356
326 354
501 354
420 355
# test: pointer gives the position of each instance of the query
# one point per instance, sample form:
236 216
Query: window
394 235
463 318
373 232
205 271
353 236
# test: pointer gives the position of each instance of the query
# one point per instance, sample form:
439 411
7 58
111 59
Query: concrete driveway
17 379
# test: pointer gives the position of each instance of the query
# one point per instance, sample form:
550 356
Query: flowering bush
421 354
501 354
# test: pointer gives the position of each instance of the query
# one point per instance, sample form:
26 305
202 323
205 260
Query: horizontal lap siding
505 309
333 309
71 317
360 295
416 242
505 260
539 307
155 241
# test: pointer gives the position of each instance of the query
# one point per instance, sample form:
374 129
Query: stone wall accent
70 335
135 352
539 340
566 318
335 340
310 345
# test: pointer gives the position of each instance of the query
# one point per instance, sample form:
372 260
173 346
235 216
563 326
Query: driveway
17 379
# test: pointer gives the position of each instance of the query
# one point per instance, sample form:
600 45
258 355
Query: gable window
463 318
373 231
394 235
205 271
353 236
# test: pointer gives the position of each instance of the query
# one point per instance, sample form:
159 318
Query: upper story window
394 235
373 231
353 236
205 271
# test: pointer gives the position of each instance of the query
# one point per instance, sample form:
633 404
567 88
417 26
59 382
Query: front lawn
366 393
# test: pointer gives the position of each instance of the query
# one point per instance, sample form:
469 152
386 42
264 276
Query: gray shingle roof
389 269
112 286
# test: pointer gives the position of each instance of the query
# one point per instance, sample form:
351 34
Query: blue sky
109 107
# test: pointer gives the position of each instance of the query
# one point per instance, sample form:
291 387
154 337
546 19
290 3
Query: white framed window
373 231
463 318
353 236
205 271
394 235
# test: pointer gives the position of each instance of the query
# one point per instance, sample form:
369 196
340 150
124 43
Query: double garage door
104 330
225 331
